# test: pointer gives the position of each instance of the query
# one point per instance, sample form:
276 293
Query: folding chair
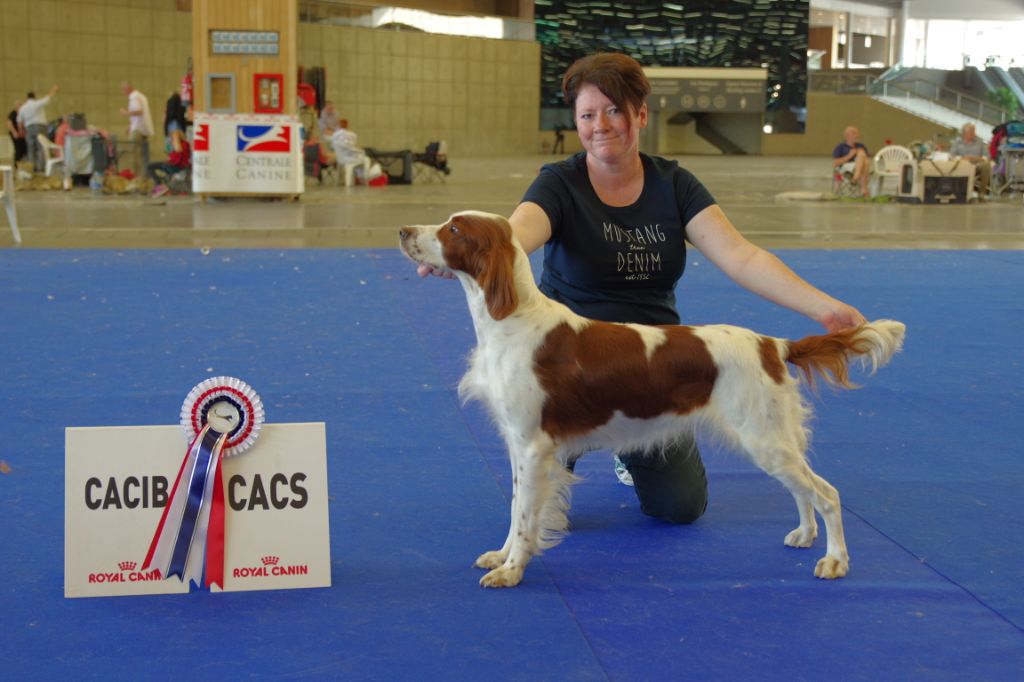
433 162
843 184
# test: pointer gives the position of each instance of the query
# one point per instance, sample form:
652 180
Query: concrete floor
339 217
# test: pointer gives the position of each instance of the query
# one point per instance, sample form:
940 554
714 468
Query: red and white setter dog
558 385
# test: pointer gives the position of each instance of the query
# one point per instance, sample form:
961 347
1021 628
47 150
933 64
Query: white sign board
118 480
247 154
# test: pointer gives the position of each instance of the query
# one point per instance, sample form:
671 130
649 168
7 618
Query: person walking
140 127
32 119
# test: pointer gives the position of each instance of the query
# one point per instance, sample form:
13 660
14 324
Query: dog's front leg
532 487
494 558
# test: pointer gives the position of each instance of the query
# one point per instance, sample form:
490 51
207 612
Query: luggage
99 154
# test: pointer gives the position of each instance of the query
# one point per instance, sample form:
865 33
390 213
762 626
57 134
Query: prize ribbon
222 417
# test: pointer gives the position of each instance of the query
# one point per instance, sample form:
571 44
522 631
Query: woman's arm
531 226
763 273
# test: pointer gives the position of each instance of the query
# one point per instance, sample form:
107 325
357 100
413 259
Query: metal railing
846 83
946 97
841 82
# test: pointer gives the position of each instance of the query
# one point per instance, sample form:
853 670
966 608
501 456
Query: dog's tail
828 356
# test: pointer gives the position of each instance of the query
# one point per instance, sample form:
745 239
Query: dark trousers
20 148
161 171
671 484
35 151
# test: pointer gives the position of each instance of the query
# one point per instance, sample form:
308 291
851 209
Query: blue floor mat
925 457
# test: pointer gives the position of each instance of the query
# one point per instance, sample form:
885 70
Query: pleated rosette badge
222 417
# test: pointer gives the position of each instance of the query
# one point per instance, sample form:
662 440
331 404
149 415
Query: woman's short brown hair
618 76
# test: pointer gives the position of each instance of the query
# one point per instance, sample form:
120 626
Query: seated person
310 123
850 156
969 148
343 143
161 172
329 121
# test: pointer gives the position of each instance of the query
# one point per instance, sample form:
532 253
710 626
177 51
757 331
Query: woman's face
607 132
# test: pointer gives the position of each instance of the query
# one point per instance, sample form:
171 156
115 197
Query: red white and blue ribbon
222 417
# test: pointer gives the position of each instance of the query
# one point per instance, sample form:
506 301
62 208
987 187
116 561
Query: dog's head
476 244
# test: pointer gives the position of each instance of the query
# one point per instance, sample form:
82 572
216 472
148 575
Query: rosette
222 417
230 406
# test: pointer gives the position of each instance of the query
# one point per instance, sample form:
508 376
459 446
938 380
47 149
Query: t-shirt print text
634 259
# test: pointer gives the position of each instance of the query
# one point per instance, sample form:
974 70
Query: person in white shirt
32 116
329 121
343 142
140 127
970 148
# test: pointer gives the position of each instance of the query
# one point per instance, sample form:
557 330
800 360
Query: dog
558 384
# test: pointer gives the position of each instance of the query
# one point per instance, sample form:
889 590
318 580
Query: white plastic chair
347 172
888 164
7 195
51 152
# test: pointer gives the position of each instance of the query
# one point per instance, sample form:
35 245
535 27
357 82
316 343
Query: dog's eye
453 228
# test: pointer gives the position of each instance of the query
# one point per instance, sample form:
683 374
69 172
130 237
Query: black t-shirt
618 264
842 149
13 116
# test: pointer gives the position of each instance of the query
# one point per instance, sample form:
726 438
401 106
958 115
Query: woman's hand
838 316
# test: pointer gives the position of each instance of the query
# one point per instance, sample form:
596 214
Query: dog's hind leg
836 562
777 446
811 493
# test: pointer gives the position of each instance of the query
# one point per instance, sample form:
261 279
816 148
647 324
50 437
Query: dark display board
770 34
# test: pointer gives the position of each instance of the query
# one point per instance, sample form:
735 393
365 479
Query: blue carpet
925 456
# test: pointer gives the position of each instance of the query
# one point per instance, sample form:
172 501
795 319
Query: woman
16 133
614 225
175 122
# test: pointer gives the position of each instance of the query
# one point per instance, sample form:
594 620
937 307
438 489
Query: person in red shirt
161 172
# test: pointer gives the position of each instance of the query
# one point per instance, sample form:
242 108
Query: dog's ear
496 278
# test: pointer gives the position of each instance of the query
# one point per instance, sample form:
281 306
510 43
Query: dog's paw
830 567
801 537
503 576
491 560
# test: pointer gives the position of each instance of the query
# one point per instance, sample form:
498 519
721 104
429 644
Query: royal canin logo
126 573
271 566
264 138
201 138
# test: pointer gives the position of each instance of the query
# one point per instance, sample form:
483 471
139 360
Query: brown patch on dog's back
770 360
591 374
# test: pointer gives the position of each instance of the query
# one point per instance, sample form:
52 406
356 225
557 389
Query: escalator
1008 81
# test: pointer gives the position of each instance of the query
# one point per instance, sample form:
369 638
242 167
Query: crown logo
270 560
127 565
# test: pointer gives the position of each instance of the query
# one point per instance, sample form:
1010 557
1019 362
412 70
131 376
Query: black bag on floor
99 154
